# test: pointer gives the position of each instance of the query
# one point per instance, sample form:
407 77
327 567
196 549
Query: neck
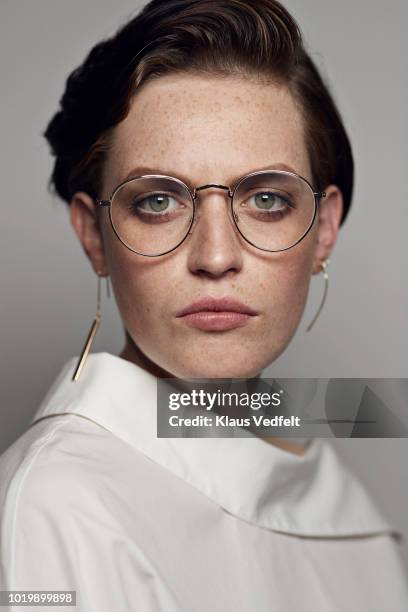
131 352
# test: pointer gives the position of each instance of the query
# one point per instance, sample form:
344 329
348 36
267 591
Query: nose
214 244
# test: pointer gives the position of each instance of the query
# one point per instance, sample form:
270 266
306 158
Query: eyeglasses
273 210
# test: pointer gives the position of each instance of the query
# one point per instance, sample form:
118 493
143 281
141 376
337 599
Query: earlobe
330 214
84 220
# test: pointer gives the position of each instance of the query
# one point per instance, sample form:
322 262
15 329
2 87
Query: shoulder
61 472
66 518
60 492
57 459
38 467
68 468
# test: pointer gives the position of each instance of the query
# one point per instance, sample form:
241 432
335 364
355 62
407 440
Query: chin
217 368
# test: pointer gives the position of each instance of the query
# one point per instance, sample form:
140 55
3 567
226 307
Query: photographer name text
226 421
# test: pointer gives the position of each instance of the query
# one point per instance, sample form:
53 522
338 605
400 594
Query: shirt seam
25 471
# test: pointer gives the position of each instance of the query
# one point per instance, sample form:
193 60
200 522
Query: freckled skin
209 130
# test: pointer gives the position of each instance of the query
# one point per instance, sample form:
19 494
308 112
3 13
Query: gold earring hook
324 265
108 293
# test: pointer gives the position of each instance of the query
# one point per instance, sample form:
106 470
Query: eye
155 203
157 207
270 201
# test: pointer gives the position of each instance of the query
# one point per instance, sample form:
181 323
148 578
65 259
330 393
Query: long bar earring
92 332
324 264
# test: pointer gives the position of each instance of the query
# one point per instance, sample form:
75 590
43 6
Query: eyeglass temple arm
103 202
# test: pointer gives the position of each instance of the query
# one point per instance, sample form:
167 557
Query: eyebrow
141 170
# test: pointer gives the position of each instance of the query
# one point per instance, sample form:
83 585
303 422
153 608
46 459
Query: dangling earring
93 330
324 265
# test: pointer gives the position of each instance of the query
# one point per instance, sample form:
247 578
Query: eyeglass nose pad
233 211
193 214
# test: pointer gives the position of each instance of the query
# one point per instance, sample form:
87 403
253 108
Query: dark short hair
220 37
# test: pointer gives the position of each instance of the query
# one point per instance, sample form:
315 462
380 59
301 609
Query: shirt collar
311 495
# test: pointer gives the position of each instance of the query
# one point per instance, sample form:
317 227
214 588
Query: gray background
48 290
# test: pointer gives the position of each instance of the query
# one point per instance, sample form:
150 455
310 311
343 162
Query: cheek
143 289
286 278
296 279
283 284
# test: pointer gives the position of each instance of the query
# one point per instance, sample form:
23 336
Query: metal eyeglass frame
318 195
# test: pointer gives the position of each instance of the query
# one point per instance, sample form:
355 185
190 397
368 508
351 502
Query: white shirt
91 500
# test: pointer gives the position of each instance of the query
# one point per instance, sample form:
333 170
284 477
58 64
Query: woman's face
204 129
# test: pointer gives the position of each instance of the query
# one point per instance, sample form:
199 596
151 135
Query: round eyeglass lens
273 210
152 215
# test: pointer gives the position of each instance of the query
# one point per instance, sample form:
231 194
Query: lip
210 304
216 314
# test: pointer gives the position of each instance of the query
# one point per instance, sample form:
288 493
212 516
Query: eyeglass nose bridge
202 187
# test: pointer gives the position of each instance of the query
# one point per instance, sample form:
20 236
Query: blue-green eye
270 201
157 202
156 207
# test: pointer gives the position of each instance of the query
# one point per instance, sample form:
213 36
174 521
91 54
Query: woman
207 172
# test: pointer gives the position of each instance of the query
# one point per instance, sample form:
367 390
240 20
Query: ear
330 213
85 221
